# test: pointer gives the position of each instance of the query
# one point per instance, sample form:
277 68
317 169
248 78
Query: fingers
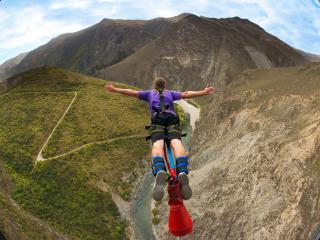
209 90
109 87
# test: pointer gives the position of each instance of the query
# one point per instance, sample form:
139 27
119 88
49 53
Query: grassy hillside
65 191
302 80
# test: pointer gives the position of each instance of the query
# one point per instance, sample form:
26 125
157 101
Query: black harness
155 127
163 106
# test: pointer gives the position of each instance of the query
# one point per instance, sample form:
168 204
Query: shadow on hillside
2 237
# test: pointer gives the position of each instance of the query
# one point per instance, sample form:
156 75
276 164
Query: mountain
311 57
73 185
254 152
9 64
256 156
198 51
188 50
96 47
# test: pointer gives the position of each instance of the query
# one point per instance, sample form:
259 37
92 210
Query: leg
157 148
158 169
158 163
178 148
182 163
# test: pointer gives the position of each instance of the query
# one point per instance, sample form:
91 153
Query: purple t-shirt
153 98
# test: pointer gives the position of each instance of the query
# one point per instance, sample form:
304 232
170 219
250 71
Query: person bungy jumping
164 120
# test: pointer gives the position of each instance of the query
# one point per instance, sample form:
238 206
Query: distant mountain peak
108 46
181 16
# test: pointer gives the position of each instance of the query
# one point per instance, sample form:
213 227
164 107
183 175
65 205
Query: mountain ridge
98 50
255 151
195 50
99 45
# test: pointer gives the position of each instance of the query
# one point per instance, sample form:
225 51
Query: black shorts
165 120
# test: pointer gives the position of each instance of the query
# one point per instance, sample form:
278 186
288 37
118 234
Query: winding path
41 158
89 144
187 108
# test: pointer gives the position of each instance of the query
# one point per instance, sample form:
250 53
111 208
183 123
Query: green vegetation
155 220
29 229
111 116
181 115
301 80
155 213
155 216
72 192
26 119
1 88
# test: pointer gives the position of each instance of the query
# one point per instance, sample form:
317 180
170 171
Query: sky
27 24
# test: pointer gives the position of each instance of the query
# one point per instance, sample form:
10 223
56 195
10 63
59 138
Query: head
160 84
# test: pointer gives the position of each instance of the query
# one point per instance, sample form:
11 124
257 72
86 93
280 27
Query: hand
109 87
209 90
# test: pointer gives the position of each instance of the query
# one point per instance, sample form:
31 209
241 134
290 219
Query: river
141 208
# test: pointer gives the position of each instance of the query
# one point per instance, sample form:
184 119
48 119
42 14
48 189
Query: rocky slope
10 64
256 158
196 51
310 56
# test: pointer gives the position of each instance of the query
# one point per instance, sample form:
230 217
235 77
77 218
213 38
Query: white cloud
114 1
3 15
296 22
74 4
30 25
152 9
109 12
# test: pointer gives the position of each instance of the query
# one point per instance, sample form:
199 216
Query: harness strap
163 106
182 164
159 128
155 127
175 127
162 103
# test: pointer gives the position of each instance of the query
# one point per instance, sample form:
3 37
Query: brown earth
198 51
255 158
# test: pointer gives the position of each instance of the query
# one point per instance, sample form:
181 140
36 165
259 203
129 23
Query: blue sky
27 24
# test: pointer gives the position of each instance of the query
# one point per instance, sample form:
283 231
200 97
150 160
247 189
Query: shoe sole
158 189
186 191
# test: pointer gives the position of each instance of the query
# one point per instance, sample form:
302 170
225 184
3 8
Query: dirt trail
89 144
39 157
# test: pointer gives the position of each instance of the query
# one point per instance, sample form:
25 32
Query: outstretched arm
129 92
191 94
